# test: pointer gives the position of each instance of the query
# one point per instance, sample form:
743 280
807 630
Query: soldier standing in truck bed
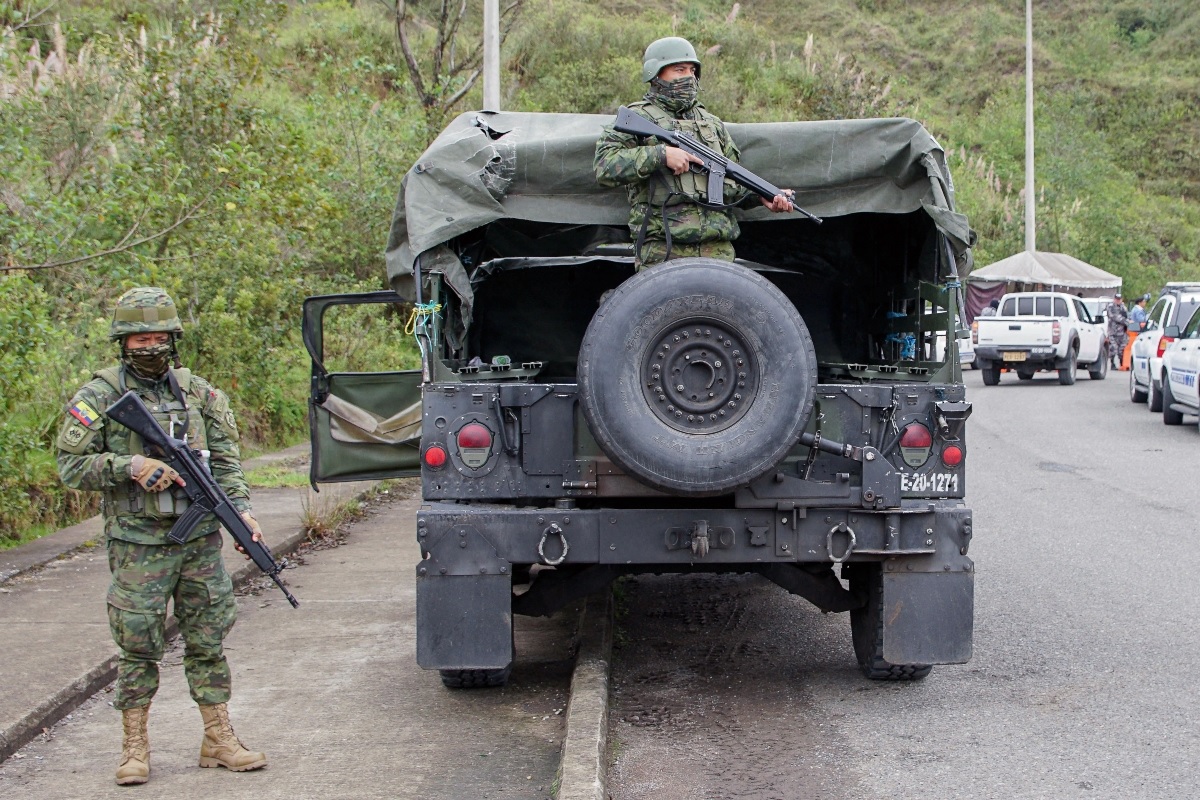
140 508
667 216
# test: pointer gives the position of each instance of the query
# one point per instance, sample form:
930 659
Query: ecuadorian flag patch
84 413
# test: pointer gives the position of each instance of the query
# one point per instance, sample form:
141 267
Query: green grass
25 536
278 476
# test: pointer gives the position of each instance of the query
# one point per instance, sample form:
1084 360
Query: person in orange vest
1137 324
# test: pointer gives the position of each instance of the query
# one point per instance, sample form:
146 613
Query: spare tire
697 376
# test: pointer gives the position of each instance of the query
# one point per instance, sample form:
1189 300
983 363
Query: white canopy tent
1033 270
1057 270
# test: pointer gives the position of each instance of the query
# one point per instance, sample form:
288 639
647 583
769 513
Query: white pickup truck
1040 331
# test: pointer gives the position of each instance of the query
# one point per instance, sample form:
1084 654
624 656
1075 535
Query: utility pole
491 55
1030 197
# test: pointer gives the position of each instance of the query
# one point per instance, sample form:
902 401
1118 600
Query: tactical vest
173 415
664 187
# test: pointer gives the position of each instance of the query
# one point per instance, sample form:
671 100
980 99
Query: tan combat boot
221 747
135 747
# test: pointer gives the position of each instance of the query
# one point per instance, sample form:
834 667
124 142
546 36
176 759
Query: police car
1173 308
1180 365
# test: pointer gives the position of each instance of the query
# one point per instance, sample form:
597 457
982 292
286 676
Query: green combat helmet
664 52
146 309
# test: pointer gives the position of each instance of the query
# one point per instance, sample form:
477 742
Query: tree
443 78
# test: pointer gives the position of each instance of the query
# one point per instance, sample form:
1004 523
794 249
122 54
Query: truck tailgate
1016 331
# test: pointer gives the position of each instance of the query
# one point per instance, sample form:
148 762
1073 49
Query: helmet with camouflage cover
665 52
146 309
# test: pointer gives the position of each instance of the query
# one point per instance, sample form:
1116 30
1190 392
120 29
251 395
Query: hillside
246 153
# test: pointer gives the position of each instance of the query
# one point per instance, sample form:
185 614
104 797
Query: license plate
1014 356
929 483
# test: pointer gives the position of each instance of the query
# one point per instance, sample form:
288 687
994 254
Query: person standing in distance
1118 318
140 504
667 214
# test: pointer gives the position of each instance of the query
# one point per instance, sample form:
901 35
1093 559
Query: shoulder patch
74 434
84 413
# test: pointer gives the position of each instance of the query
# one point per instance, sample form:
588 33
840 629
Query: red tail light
435 456
473 434
916 435
1057 336
1162 345
952 456
915 442
974 333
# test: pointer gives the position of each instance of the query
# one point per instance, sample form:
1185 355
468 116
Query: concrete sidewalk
546 732
332 693
52 593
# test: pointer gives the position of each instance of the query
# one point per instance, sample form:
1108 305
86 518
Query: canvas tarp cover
1048 269
538 167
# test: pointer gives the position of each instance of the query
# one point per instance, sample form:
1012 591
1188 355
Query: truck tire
1025 374
475 678
697 376
1066 375
1170 415
1155 399
991 373
1138 396
1098 369
866 628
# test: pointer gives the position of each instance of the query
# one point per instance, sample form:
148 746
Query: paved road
1087 639
332 693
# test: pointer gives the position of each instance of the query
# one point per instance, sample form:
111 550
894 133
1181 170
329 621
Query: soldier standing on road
668 212
1118 317
140 506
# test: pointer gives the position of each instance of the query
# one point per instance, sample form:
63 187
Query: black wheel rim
699 376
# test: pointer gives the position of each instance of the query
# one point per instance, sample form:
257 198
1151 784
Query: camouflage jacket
639 164
1118 317
94 453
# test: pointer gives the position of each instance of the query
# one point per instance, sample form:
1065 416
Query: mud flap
928 617
464 621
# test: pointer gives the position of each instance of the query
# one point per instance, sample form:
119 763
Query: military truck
796 413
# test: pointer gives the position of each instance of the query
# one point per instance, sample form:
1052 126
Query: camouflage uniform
95 454
1118 318
640 164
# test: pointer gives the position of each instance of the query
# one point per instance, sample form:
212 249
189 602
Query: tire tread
868 622
475 678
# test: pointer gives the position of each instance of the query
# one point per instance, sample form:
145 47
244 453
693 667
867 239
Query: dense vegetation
246 153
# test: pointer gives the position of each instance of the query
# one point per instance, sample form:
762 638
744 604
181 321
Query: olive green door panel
363 425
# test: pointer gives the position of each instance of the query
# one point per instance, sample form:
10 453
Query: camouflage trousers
654 252
144 577
1117 344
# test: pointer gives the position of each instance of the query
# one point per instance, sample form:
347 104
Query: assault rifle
205 494
716 165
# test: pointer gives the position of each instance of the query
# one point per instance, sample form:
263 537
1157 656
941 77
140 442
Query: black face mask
148 362
678 95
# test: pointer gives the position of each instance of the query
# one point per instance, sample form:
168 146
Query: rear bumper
464 608
928 534
1038 357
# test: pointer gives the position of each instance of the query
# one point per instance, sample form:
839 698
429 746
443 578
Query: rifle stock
716 165
205 494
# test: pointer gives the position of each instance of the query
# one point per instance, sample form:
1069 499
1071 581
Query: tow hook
700 539
553 529
851 541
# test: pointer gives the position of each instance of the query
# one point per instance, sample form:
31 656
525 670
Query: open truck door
363 425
